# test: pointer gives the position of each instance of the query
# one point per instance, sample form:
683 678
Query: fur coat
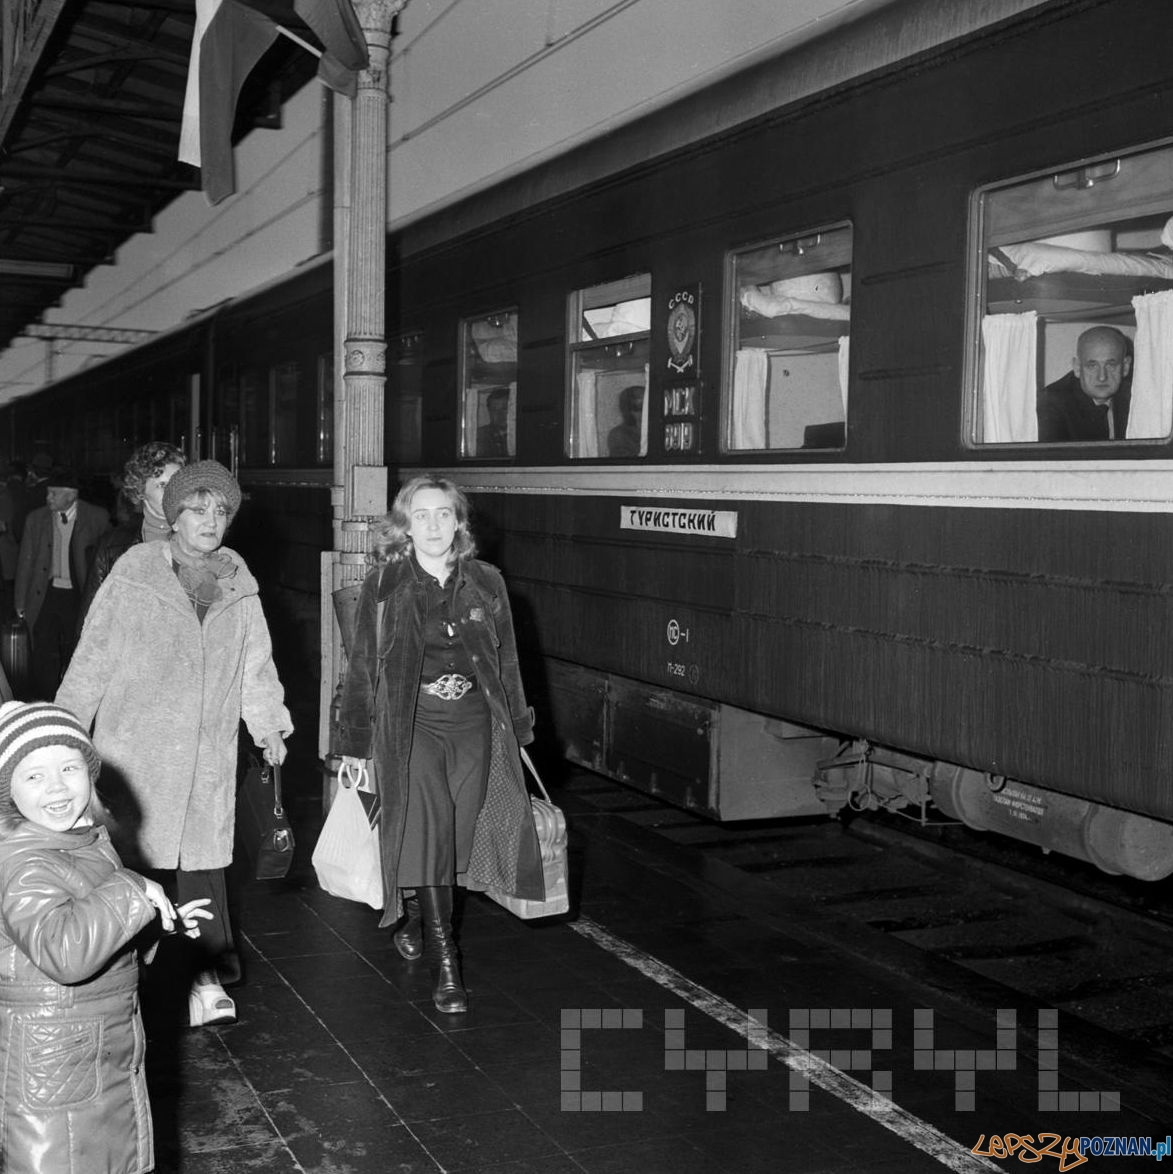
166 695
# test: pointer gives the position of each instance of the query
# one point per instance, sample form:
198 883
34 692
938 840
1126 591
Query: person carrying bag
433 696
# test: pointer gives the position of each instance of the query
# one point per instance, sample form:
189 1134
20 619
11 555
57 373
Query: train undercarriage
732 764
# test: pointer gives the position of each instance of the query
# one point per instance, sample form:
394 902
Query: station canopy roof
91 99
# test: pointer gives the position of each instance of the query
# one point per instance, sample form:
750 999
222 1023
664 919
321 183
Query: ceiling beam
121 231
75 177
60 330
130 109
27 57
49 270
96 60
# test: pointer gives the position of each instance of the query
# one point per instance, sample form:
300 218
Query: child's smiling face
51 787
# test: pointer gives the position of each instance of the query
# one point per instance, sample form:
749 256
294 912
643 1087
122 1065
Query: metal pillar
359 492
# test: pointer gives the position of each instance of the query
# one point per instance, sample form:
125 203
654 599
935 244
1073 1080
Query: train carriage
752 425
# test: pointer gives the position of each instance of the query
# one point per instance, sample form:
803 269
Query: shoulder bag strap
533 770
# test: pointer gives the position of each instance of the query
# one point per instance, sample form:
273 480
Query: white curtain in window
1009 377
471 407
643 419
751 371
1151 411
585 415
844 348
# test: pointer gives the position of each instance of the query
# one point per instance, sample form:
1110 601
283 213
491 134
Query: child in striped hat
71 1038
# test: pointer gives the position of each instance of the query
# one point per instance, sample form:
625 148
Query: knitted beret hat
27 726
209 475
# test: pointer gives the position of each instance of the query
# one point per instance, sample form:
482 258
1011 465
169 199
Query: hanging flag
336 26
230 38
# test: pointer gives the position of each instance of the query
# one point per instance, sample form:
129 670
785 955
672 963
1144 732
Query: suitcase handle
533 770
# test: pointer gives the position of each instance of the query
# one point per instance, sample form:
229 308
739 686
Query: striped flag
336 26
230 38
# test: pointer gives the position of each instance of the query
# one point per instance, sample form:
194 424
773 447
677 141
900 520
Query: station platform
620 1038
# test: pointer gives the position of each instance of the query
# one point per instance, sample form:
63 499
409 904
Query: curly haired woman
144 477
433 695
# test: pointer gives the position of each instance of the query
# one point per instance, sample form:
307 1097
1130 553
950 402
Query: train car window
226 413
404 419
1075 281
609 328
284 381
791 319
488 386
252 420
324 430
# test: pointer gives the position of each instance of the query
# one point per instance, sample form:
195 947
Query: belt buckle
449 687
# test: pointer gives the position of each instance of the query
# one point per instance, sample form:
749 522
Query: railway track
1096 947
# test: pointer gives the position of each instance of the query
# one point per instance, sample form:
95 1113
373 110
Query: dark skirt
447 775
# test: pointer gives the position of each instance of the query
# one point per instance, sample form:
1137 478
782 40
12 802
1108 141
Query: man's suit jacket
34 567
1065 412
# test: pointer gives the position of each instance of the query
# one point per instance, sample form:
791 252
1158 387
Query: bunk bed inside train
792 321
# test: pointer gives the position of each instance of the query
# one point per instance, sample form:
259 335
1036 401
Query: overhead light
54 269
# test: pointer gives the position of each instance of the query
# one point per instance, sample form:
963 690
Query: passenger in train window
144 477
626 438
56 552
1091 401
433 700
174 653
493 437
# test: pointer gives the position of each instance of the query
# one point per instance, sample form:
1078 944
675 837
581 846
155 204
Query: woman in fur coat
174 652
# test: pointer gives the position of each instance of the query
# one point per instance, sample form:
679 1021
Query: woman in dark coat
433 697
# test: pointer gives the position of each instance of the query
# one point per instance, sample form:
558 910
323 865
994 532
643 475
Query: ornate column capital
376 18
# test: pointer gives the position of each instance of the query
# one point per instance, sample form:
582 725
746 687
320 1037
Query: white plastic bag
346 856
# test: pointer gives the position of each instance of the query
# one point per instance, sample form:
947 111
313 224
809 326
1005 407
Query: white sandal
208 1004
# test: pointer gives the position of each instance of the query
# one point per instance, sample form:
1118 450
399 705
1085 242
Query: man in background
56 552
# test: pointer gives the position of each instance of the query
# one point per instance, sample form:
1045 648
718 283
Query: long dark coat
34 567
378 705
73 1097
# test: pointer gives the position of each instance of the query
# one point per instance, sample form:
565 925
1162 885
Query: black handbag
261 823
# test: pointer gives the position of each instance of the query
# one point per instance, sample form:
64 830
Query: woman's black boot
409 937
449 994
